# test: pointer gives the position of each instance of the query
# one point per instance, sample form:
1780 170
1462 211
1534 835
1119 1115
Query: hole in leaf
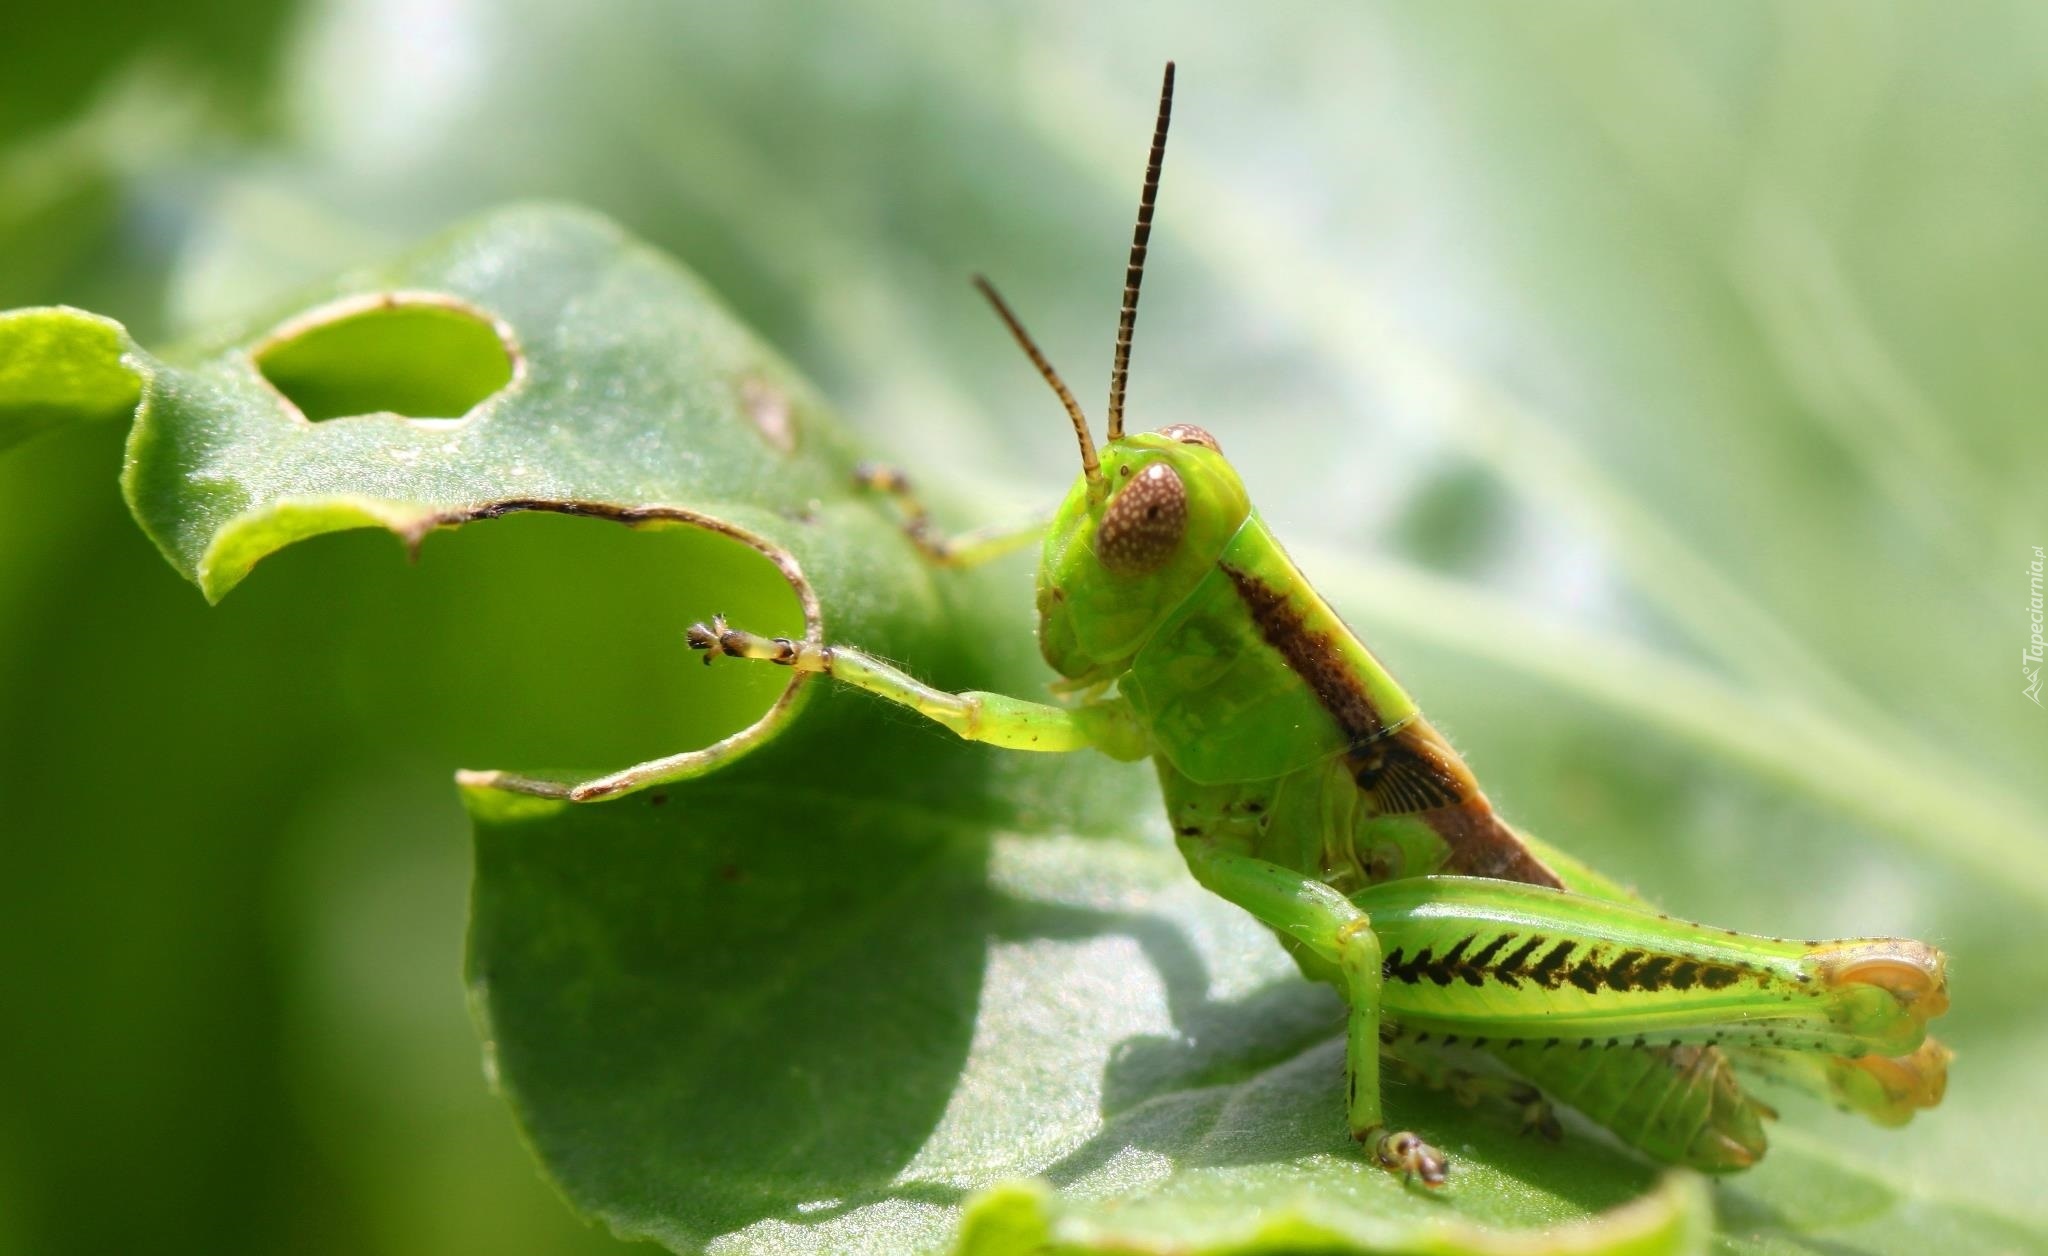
536 640
417 355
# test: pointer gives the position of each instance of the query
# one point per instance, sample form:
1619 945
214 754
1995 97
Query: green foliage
851 972
1692 352
61 366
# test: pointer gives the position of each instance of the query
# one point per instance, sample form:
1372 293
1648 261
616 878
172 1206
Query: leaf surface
60 366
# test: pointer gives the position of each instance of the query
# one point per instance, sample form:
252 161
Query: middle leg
1334 939
966 549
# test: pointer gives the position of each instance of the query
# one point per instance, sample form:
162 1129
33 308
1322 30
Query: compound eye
1144 523
1189 434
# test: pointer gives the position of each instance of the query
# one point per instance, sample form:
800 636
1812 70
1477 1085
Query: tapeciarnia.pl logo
2030 658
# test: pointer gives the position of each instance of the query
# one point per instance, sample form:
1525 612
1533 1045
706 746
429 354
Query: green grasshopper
1304 785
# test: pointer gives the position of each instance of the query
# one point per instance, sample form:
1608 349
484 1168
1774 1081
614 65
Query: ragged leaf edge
687 763
250 537
257 534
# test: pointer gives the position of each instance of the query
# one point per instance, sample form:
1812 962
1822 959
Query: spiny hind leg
965 549
1615 1010
1483 959
1471 1078
1338 940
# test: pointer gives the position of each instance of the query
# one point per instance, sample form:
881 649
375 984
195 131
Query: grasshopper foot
1890 1089
1538 1117
709 638
1406 1154
719 638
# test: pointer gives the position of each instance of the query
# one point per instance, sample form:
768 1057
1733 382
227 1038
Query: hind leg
1617 1010
1886 1089
1478 958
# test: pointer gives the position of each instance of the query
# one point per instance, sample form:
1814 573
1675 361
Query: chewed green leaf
540 360
581 368
844 991
58 366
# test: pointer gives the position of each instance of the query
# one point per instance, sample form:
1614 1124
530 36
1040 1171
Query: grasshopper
1304 785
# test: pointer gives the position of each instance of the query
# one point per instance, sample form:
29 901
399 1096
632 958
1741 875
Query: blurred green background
1692 353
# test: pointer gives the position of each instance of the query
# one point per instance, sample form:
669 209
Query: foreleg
993 718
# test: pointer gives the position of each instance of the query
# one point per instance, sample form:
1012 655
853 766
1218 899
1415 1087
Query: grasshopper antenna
1134 274
1089 464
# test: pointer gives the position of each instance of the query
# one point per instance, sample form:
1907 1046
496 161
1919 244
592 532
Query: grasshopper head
1128 545
1149 516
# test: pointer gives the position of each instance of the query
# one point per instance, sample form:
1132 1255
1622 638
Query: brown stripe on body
1311 655
1483 846
1408 770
